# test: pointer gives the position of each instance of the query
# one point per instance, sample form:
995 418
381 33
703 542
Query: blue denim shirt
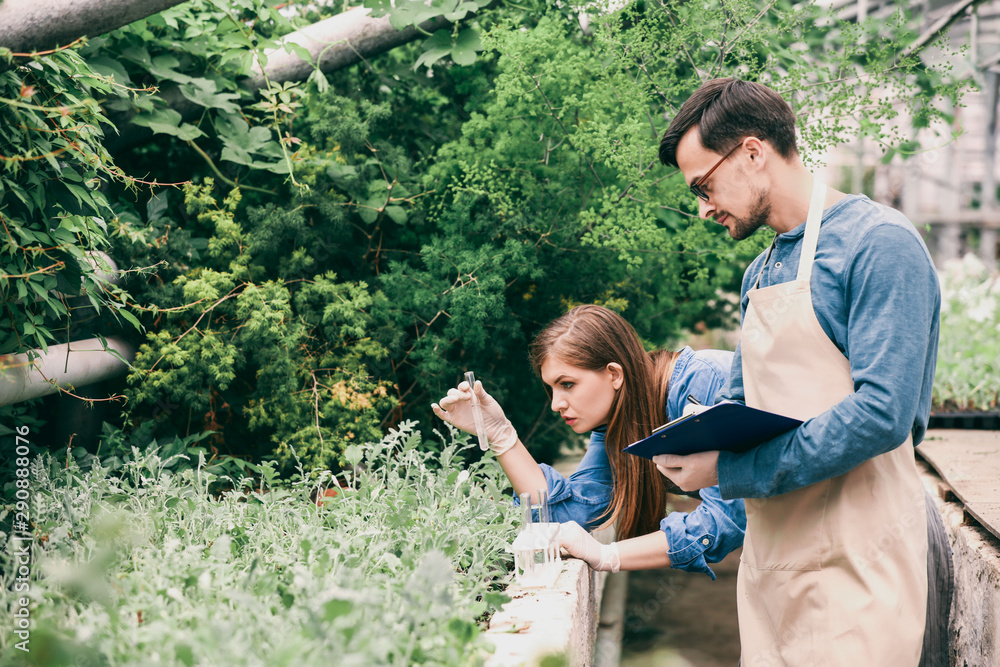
694 539
877 297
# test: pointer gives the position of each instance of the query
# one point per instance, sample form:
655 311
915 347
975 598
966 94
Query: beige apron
834 573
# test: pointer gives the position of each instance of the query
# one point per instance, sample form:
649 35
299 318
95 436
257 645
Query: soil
678 619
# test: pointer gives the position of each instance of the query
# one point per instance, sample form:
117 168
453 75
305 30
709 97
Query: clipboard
725 426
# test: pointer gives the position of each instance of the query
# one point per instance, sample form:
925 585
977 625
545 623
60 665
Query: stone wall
556 621
975 614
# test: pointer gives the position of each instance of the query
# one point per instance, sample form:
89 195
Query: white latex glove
456 409
578 543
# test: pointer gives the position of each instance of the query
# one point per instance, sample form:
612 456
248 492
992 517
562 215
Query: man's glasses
696 188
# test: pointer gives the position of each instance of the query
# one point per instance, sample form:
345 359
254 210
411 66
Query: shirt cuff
555 485
582 501
755 473
734 473
705 535
686 550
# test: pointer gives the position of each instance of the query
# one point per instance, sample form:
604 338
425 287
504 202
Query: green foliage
553 195
196 53
430 225
53 213
279 362
402 566
460 44
348 245
968 367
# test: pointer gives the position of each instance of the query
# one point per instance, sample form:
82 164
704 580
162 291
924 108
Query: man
839 329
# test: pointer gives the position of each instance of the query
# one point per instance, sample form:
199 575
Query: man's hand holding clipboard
690 472
686 450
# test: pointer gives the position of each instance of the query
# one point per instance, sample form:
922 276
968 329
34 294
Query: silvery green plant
146 564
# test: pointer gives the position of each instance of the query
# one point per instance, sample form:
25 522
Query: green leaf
205 93
461 11
299 50
139 55
163 68
156 207
109 67
397 214
336 608
370 210
187 132
168 121
131 319
436 47
82 195
242 141
466 45
319 78
402 15
353 454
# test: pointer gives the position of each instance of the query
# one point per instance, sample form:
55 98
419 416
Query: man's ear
756 152
617 375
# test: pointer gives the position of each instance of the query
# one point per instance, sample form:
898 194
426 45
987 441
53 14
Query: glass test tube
543 507
526 518
477 412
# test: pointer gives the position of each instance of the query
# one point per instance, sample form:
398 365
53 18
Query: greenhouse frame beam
77 364
35 25
335 43
956 12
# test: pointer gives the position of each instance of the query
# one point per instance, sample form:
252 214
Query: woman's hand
578 543
456 409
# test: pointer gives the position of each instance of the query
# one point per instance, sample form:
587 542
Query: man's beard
759 214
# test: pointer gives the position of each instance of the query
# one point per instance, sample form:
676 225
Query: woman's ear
617 375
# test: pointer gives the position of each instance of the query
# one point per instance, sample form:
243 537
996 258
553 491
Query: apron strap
811 235
763 264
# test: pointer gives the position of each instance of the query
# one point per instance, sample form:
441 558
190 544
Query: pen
693 400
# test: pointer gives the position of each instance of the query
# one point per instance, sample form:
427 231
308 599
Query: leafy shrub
142 564
968 367
260 356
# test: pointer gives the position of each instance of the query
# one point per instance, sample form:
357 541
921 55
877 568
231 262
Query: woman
600 379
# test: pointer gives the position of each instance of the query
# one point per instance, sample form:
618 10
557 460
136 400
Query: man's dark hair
727 111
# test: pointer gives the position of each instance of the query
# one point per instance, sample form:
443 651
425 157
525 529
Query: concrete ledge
557 621
611 621
975 616
541 622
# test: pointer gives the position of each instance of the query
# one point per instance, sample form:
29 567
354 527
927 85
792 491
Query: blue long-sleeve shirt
876 295
694 539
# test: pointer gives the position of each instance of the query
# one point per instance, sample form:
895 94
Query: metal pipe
73 364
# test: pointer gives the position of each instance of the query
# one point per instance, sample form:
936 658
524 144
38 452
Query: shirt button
777 265
705 541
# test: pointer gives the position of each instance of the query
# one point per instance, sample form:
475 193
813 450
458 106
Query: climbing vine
55 216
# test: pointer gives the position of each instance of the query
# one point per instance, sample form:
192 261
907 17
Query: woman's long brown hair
592 337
